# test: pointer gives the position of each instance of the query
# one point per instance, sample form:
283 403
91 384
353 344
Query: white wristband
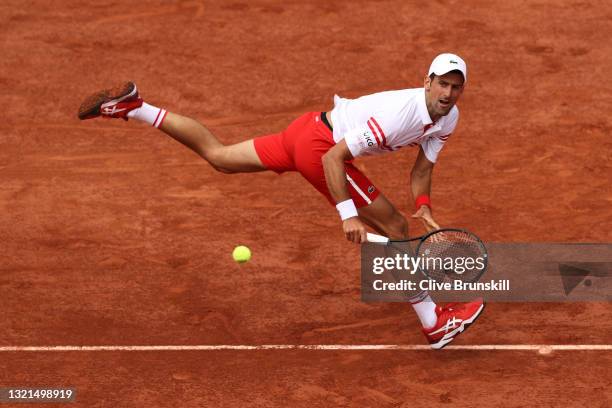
347 209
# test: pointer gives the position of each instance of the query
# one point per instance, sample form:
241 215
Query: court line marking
408 347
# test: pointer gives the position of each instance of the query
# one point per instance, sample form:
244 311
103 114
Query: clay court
116 238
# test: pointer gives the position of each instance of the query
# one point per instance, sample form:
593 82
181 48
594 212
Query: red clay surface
113 234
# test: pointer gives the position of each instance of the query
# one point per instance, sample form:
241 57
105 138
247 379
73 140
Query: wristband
421 200
347 209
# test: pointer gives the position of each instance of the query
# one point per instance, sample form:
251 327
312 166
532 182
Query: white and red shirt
386 121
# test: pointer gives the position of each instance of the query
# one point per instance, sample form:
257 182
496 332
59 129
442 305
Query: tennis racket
446 254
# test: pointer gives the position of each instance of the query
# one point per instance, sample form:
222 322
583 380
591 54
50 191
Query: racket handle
377 238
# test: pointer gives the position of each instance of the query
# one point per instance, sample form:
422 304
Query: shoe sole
453 334
90 108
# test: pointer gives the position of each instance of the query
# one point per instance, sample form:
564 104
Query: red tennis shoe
453 319
111 103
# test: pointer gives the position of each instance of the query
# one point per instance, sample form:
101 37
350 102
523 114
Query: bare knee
217 157
385 218
396 227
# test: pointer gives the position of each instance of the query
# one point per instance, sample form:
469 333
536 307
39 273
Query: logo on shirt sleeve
378 133
368 139
365 139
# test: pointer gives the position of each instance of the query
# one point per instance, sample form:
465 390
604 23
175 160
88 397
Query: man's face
442 93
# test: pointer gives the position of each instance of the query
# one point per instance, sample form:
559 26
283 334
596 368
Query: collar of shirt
429 126
422 108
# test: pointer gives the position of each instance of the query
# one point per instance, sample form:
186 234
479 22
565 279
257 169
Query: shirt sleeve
368 139
434 144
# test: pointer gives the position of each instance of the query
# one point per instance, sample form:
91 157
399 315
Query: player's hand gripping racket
446 254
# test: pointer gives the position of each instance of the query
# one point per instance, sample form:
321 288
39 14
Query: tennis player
321 146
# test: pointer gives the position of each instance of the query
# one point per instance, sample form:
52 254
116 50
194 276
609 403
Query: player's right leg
384 218
124 102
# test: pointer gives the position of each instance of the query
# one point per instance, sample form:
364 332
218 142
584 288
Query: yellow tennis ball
241 254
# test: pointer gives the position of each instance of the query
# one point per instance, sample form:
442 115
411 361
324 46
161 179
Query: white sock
425 308
150 114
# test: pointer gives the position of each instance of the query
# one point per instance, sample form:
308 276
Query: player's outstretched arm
420 183
335 176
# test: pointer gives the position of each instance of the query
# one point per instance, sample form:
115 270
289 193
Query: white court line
409 347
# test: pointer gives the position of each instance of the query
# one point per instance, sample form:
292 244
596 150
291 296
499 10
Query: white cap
445 63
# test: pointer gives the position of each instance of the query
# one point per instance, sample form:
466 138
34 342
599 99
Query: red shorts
300 147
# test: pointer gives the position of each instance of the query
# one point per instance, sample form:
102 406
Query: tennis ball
241 254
